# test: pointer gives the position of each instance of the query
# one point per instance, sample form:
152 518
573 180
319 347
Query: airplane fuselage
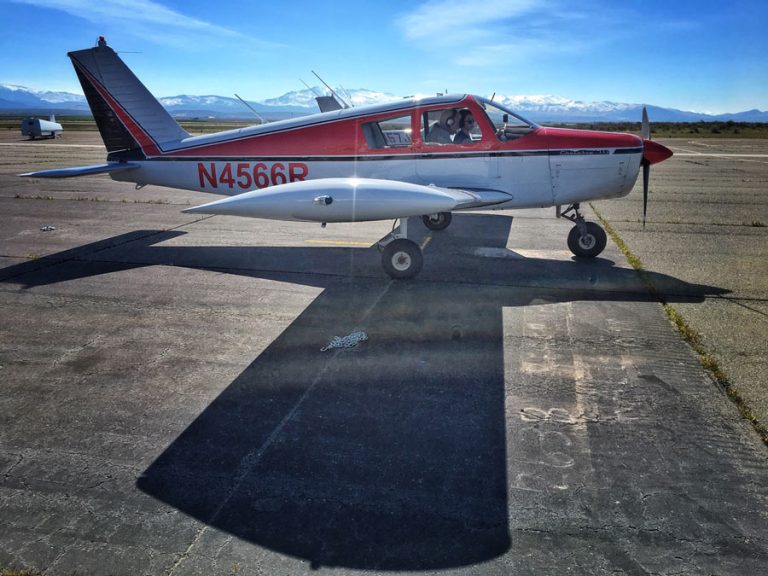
541 167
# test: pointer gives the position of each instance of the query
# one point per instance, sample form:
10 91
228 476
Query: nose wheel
589 243
586 239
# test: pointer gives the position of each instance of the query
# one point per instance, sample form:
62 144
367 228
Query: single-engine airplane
380 162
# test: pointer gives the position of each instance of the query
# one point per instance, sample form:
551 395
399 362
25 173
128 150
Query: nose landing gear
586 239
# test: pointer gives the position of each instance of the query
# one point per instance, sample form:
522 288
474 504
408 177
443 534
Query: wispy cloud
143 18
483 34
439 20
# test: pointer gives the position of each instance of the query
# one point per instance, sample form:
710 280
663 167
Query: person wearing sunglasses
466 125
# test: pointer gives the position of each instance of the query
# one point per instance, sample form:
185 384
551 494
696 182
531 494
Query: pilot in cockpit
466 125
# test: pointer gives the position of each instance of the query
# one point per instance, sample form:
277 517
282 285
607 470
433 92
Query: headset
451 120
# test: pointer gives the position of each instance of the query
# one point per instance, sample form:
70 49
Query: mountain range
20 100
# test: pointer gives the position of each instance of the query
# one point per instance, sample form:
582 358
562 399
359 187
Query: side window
388 133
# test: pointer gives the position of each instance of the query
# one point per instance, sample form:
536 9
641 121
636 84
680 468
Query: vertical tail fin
131 121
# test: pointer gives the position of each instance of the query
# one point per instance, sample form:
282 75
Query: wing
349 200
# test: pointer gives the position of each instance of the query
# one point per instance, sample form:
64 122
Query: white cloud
487 33
144 18
439 19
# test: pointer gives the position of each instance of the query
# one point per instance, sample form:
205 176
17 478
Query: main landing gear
400 257
439 221
586 239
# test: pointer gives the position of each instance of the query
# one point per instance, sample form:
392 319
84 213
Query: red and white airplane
389 161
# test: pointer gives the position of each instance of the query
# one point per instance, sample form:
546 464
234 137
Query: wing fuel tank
335 200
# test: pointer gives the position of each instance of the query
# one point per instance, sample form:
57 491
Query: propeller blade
646 177
653 153
645 126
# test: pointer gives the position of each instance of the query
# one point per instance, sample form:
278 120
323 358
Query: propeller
645 134
653 152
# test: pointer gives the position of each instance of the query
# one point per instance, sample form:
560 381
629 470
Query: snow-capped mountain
12 96
540 108
558 109
297 98
558 104
354 97
199 101
186 106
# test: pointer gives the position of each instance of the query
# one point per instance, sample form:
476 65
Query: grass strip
690 335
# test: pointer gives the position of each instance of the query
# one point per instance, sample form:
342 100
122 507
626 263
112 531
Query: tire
402 259
439 221
589 245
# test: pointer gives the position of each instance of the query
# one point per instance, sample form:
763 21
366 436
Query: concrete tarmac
708 223
166 407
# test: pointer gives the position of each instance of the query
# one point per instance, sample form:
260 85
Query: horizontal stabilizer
81 170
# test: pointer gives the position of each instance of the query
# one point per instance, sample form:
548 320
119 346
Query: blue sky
708 56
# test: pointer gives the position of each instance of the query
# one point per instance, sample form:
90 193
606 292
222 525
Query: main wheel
439 221
590 244
402 258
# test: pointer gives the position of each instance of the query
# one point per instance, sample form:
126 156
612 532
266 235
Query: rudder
131 121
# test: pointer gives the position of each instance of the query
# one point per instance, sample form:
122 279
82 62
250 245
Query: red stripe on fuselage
329 139
567 138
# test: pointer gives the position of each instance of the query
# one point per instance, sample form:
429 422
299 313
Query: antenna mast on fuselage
261 120
333 92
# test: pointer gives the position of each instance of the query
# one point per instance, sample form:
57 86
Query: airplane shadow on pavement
388 456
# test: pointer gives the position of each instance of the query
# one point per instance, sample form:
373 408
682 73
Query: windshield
508 125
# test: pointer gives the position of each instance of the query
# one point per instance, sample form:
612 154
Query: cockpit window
507 124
